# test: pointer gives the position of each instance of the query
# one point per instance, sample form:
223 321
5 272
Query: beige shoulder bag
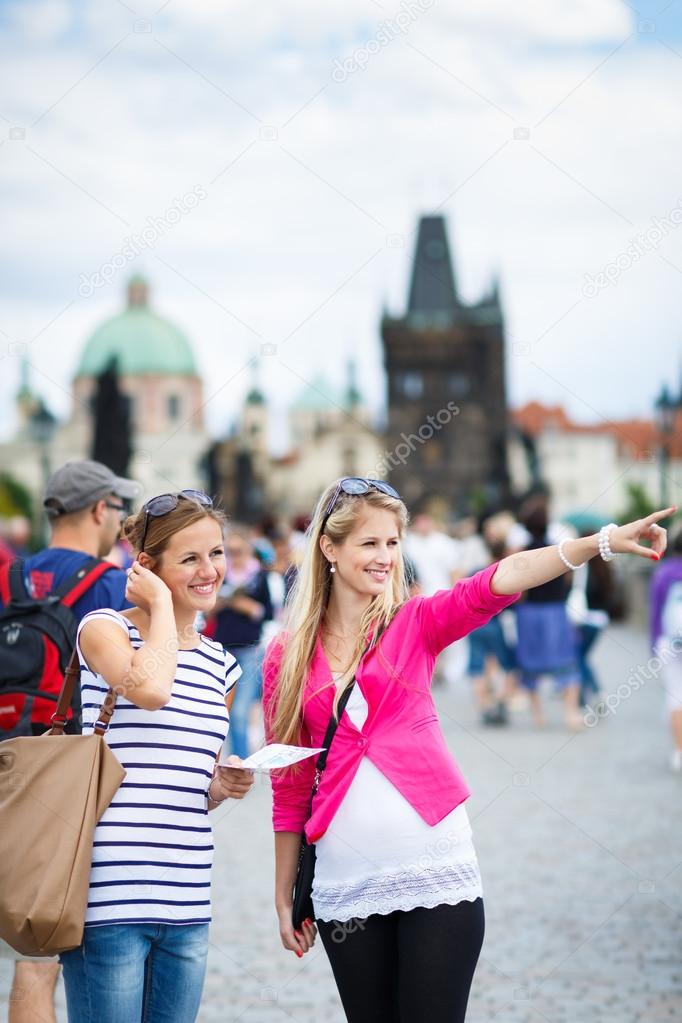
53 790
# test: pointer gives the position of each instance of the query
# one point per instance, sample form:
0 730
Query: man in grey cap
85 504
80 485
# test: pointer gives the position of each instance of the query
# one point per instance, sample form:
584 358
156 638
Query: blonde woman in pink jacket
397 892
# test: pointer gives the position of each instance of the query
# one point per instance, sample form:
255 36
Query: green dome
316 396
141 342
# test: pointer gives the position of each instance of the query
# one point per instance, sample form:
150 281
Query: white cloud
40 21
295 217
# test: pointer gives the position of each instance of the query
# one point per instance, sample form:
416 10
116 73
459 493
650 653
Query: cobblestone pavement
580 843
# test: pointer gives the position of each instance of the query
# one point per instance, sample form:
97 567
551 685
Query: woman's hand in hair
299 942
145 589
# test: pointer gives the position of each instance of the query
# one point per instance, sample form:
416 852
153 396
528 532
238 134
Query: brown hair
162 527
533 515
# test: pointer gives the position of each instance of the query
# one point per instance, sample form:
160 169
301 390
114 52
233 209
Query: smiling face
368 556
193 565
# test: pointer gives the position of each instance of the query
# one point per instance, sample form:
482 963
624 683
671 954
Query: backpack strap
81 581
4 582
12 582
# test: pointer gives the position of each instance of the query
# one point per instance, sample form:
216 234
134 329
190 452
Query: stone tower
447 409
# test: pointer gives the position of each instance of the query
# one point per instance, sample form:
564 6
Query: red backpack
37 637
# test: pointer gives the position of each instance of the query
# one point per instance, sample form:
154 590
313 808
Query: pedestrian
243 605
666 640
397 891
7 553
84 502
547 642
438 560
437 557
278 571
19 535
589 604
143 954
490 657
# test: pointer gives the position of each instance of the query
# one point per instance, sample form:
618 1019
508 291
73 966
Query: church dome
141 342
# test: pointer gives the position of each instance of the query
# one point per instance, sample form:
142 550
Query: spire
138 292
26 401
255 395
352 397
664 399
432 288
24 391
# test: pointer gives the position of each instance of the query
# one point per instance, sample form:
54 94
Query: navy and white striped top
153 847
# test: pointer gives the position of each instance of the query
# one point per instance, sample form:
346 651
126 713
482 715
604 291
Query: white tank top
378 855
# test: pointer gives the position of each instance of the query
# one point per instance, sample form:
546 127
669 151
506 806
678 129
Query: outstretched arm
527 569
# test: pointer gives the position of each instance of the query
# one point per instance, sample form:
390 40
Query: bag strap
71 676
13 586
329 735
81 581
334 724
4 582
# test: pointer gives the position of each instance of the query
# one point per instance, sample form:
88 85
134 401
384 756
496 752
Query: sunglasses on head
164 503
356 486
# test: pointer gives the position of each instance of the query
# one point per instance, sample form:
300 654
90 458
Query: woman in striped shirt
144 949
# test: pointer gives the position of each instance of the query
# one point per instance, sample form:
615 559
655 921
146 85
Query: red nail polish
308 921
300 955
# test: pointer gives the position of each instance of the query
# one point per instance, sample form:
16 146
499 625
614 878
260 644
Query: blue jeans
488 640
588 680
136 973
250 659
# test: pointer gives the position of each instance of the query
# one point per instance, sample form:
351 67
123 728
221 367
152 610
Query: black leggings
406 967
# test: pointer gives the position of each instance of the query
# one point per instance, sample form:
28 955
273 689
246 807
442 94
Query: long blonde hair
310 597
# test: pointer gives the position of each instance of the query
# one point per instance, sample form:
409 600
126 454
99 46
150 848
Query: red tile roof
637 438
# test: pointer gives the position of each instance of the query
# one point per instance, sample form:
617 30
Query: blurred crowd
15 538
548 635
541 646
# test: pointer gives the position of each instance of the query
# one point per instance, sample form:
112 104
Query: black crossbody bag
303 885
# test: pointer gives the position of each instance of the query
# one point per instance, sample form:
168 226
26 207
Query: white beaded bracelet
567 563
604 545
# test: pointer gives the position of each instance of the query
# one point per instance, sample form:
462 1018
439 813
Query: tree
638 506
112 433
15 499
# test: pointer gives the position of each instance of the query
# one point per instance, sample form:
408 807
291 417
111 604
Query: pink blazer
402 735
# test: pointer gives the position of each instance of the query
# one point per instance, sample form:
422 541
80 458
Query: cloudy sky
315 134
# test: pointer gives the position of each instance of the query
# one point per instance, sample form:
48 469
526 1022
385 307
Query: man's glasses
120 508
164 503
356 486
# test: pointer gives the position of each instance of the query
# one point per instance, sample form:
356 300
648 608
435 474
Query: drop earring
332 566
